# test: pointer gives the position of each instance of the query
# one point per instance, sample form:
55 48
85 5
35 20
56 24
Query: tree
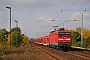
3 36
76 38
25 39
78 30
14 38
16 29
86 37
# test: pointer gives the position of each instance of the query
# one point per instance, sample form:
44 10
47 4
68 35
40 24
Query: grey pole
10 16
10 23
82 32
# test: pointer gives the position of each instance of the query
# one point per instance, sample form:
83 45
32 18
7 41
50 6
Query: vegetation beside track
26 52
76 38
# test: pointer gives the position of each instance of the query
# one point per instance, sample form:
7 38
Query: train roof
60 30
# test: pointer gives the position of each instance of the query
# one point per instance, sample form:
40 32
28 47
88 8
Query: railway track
77 56
81 54
71 55
52 55
56 57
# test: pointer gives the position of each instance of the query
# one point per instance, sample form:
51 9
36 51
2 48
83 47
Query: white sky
35 16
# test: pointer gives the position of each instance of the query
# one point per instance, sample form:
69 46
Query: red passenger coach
45 41
36 41
51 38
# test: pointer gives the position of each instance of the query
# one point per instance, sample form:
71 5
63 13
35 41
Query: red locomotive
60 39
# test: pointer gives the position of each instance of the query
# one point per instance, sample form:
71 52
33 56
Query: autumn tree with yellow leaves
3 38
25 39
86 37
14 38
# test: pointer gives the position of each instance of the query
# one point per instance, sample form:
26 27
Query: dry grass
24 53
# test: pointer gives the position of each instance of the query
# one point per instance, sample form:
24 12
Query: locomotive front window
67 34
63 34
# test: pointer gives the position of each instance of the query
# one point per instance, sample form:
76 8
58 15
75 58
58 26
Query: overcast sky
35 16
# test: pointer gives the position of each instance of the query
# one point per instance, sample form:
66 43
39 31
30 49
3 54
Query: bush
78 44
85 44
88 46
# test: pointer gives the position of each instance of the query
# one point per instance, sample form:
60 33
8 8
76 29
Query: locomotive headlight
60 39
67 38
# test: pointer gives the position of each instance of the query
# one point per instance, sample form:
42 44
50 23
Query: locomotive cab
64 39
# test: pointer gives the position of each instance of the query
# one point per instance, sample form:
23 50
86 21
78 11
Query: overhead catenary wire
72 5
48 4
80 13
66 9
61 10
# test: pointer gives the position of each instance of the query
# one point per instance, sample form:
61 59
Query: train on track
59 39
